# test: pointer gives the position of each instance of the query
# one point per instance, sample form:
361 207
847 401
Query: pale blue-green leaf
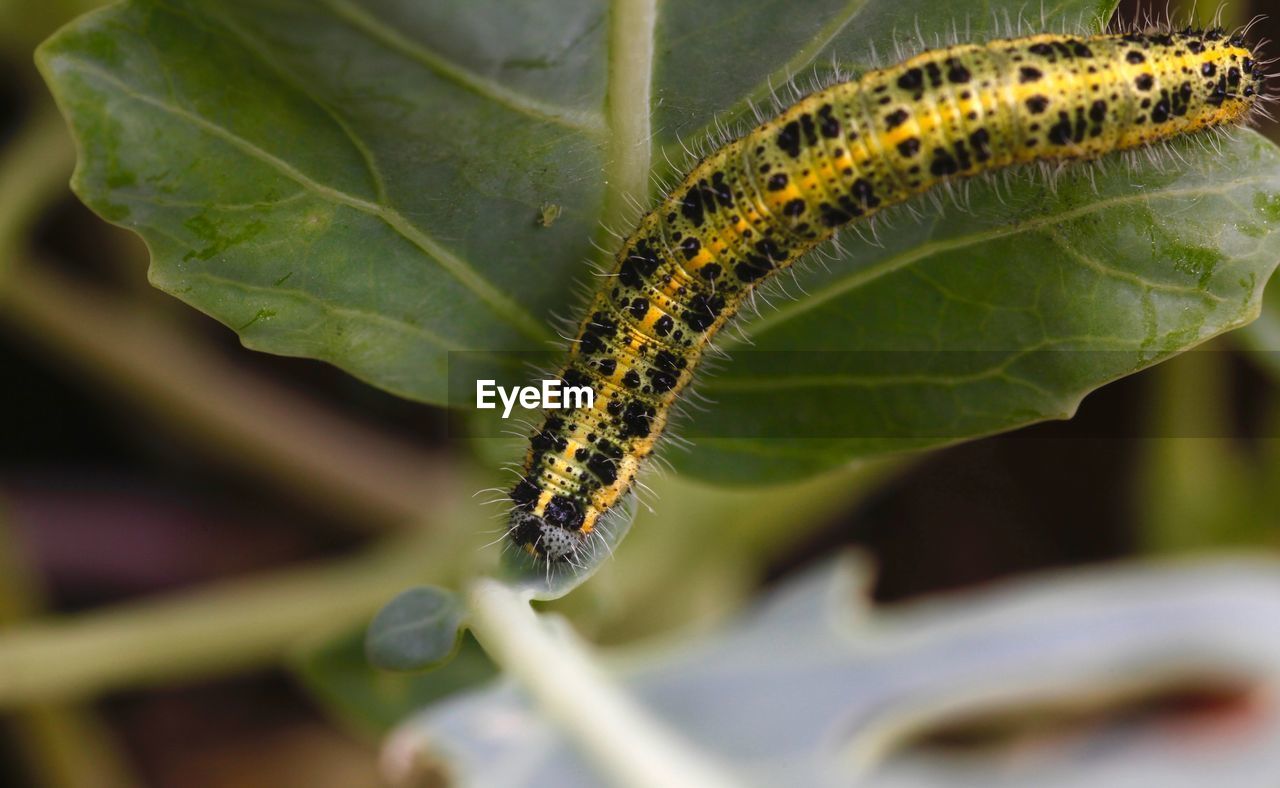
1049 682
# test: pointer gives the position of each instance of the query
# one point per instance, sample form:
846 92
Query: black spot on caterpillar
842 154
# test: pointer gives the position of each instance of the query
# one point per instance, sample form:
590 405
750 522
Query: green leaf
368 184
338 674
356 183
418 629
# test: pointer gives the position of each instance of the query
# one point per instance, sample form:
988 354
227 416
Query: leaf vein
264 56
379 31
359 315
927 249
502 306
1094 264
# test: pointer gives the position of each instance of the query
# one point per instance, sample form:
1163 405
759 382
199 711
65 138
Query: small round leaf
417 630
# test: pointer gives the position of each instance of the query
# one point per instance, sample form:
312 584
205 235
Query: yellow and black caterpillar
839 155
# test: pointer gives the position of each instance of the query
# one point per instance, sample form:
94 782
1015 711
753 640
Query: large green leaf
355 183
377 184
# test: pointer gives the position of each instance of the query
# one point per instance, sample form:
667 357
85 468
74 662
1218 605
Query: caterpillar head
542 539
546 527
1233 72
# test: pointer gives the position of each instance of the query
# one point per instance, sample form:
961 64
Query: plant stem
680 568
62 745
226 626
371 478
565 680
33 172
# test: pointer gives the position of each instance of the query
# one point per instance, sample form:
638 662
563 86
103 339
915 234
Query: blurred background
154 470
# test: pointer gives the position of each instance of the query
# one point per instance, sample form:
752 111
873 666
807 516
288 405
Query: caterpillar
839 155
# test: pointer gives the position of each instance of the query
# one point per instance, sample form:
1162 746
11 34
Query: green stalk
324 459
566 681
61 745
33 172
228 626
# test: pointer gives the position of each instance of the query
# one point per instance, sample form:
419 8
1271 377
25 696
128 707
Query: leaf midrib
627 109
998 371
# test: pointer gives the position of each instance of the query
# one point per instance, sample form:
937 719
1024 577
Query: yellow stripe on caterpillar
842 154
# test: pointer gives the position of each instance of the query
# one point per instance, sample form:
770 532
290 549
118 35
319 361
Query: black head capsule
542 539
